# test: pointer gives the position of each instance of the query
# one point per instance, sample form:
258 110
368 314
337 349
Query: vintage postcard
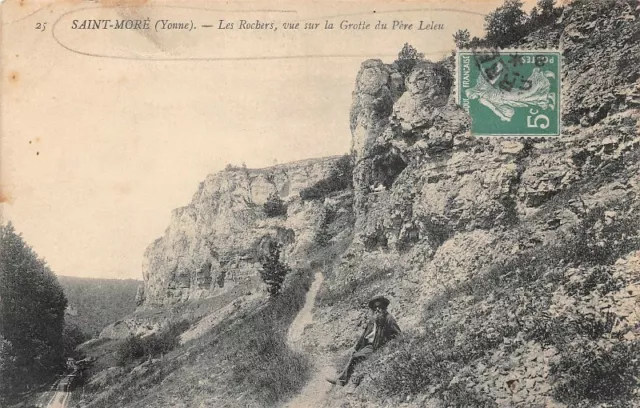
414 203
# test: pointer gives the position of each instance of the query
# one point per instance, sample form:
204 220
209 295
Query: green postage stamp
510 92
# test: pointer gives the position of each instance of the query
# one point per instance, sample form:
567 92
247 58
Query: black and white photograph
319 204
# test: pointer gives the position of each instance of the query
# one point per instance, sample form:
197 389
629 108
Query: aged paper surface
119 118
319 204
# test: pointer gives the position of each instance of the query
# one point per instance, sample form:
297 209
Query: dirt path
55 398
59 400
316 390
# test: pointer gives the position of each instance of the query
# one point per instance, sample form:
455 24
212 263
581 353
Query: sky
103 133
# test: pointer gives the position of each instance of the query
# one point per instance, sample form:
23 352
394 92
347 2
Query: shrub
588 371
598 241
426 361
457 395
407 59
271 368
274 206
273 271
599 279
130 350
462 38
156 344
358 285
340 178
418 362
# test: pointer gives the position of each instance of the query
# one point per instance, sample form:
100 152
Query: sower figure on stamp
381 328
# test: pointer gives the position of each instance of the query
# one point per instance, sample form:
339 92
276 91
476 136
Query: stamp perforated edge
456 59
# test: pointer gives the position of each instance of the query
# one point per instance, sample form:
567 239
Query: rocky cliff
508 261
214 242
511 264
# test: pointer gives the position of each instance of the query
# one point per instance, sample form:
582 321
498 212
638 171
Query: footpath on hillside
315 392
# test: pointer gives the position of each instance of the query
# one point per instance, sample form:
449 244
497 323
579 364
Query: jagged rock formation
439 212
215 240
513 256
418 178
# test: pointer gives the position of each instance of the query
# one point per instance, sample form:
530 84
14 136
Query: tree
546 7
72 336
274 206
407 59
32 306
462 38
543 14
273 271
506 24
323 236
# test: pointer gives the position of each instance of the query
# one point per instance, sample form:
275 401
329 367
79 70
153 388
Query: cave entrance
387 168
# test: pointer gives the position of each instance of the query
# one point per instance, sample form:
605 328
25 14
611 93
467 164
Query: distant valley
95 303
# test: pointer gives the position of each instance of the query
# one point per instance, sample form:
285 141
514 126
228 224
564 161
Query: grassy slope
244 357
242 361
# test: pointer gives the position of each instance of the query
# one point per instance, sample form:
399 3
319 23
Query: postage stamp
510 92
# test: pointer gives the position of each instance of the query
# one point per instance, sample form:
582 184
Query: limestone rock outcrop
215 240
439 214
496 245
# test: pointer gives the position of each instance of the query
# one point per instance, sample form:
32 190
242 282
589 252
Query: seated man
381 328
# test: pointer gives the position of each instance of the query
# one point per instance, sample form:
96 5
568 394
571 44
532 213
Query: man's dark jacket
386 329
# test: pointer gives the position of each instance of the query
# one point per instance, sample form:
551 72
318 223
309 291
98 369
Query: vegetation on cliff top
509 23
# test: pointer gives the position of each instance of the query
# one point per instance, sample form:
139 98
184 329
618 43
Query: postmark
513 93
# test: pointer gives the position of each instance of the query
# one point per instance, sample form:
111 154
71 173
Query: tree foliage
72 336
407 58
462 38
543 14
153 345
273 270
506 24
509 23
274 206
32 306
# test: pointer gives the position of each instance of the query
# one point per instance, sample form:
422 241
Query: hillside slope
512 265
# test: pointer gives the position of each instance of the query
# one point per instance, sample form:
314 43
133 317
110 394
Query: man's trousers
356 358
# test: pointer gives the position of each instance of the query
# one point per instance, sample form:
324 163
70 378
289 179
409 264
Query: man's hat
383 300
